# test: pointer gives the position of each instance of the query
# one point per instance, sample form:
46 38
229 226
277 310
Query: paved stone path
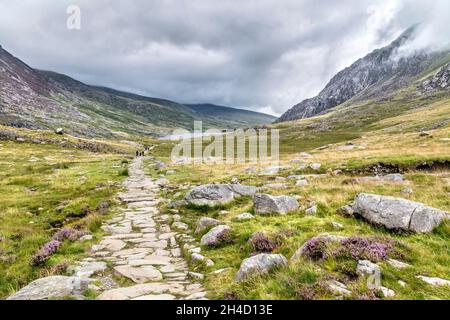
142 248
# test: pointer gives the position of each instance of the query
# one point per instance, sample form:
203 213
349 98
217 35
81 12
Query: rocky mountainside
374 76
47 100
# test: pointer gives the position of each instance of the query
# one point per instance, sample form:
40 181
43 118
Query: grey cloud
261 55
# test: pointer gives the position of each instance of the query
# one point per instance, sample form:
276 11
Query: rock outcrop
205 223
374 75
215 236
259 264
267 204
51 287
397 213
218 194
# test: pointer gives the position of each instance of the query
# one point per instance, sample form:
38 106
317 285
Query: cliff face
373 76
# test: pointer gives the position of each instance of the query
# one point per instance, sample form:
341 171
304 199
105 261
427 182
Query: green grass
430 254
387 133
43 188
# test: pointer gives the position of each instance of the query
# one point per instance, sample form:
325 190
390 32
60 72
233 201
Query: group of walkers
141 153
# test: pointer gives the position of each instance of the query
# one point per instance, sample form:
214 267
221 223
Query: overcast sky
260 55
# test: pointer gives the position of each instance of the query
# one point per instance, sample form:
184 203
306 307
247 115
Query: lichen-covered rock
51 287
367 268
267 204
206 222
218 194
397 213
215 236
259 264
244 216
434 281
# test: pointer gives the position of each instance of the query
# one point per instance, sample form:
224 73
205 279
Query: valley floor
45 188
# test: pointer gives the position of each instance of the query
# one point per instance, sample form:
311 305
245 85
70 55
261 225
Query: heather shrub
316 248
45 252
68 234
358 248
261 242
49 248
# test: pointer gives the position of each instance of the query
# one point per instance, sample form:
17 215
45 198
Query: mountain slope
377 74
238 116
46 100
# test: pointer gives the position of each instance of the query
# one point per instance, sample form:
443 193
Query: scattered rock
59 131
275 186
218 194
177 204
159 165
402 283
86 237
345 211
337 225
397 213
434 281
311 211
196 275
205 223
338 288
367 268
197 257
180 226
386 292
392 177
315 166
397 264
51 287
304 155
215 236
274 170
301 183
87 269
244 216
267 204
259 264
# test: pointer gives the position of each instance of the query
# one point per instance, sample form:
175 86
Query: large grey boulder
218 194
259 264
206 222
267 204
214 236
397 213
51 287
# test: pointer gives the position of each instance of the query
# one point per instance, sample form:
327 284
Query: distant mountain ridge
373 76
240 116
40 99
